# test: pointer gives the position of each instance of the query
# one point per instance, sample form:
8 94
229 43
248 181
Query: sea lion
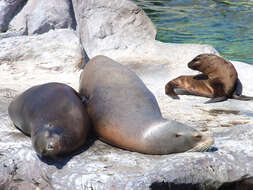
54 116
218 81
126 114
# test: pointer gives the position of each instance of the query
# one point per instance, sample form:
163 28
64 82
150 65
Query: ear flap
178 134
198 136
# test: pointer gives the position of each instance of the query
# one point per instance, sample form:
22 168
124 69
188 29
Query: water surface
226 25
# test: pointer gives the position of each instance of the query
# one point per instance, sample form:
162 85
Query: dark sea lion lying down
126 114
54 116
218 81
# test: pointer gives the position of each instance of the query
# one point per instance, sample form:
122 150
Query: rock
109 26
245 183
8 9
30 60
101 166
121 30
10 34
39 16
39 58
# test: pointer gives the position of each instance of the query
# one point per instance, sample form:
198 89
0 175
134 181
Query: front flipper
219 94
217 99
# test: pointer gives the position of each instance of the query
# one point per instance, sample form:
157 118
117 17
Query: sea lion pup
54 116
218 81
126 114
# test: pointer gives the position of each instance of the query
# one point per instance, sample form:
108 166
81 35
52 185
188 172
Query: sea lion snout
203 59
51 150
47 143
203 142
194 64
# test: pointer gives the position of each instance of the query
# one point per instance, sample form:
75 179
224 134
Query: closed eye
198 136
197 58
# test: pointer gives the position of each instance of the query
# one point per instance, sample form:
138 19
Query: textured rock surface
38 17
111 25
102 166
121 30
8 9
23 59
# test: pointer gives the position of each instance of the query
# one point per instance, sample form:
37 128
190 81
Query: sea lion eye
198 136
197 58
50 147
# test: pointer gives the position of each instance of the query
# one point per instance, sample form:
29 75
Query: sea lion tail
242 97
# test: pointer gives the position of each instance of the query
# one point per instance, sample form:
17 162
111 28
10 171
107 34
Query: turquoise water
226 25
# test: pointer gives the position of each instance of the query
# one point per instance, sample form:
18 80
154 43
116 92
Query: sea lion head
189 139
47 143
174 137
206 63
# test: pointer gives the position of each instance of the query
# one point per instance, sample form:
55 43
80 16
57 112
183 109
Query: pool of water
227 25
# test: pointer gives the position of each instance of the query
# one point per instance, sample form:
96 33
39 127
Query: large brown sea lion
126 114
218 81
54 116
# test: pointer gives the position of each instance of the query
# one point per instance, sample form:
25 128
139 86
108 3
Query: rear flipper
179 85
169 90
238 88
242 97
217 99
238 93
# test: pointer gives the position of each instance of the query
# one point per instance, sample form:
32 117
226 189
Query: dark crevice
244 183
174 186
14 9
72 14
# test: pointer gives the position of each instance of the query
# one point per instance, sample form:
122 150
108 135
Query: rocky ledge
51 47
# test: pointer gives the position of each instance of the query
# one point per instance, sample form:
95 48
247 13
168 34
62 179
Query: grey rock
36 59
38 17
111 25
121 30
101 166
55 50
8 9
10 34
27 61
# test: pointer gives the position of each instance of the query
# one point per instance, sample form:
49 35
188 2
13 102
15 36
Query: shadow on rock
212 149
62 161
244 183
173 186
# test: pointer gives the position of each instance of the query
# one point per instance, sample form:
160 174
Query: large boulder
8 9
121 30
111 25
39 16
101 166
